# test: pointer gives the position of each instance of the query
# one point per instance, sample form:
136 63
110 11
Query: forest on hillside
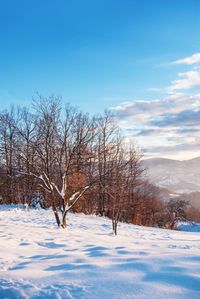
71 161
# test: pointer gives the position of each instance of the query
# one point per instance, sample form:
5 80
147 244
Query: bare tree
7 149
66 156
61 148
176 211
107 142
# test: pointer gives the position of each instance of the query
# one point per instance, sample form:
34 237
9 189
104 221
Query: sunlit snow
38 260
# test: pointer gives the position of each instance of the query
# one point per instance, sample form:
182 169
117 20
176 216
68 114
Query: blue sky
99 54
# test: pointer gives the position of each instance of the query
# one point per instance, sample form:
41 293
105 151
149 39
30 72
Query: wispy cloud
193 59
173 104
154 89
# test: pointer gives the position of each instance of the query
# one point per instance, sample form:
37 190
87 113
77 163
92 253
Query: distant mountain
177 176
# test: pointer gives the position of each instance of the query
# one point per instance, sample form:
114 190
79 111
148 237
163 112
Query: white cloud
188 80
171 123
154 89
193 59
148 109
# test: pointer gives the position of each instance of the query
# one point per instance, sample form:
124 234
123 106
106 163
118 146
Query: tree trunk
114 225
56 215
64 221
115 228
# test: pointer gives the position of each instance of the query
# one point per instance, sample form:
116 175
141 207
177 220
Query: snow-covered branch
39 177
75 197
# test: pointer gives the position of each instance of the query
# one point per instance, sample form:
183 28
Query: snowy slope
177 176
38 260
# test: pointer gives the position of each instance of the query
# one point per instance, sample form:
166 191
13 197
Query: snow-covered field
38 260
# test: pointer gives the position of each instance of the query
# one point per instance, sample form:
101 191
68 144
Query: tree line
74 162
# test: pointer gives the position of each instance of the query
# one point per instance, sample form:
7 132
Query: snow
189 226
86 261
